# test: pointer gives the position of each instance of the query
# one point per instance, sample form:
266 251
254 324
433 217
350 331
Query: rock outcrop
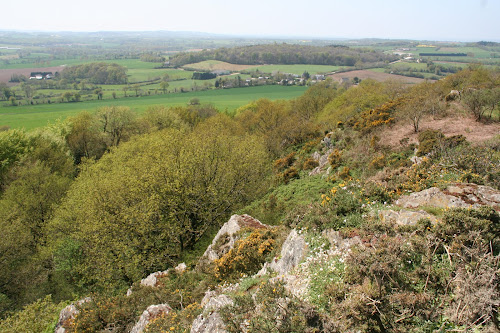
226 237
67 314
322 160
404 217
152 312
462 195
292 252
210 321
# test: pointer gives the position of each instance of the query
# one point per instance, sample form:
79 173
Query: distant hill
285 54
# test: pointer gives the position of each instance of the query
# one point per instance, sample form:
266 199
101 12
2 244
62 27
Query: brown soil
225 66
5 74
366 74
473 130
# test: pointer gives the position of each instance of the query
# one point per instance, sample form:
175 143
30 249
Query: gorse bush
248 254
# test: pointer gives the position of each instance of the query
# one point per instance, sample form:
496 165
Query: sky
449 20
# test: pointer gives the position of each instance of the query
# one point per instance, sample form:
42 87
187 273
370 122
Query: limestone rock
210 320
152 312
67 314
462 195
292 252
404 217
322 160
152 279
221 246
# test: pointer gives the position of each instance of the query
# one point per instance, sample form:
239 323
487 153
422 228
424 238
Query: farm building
41 75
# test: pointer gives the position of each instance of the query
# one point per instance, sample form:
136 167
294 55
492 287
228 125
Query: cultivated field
371 74
6 74
212 65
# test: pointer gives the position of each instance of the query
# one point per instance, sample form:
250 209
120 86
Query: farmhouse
41 75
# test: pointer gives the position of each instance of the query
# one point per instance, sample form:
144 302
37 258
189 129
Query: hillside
371 207
285 54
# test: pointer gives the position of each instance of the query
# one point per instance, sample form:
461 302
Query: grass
227 100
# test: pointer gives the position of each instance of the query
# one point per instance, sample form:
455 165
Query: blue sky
454 20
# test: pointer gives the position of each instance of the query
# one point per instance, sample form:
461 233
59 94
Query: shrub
335 158
248 254
122 312
175 321
310 164
40 316
289 174
271 309
428 141
284 162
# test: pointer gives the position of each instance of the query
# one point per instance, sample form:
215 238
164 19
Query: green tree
67 95
164 86
137 208
84 138
116 123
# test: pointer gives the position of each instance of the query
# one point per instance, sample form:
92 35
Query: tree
137 89
98 92
116 123
85 140
476 101
5 91
421 100
163 86
67 95
137 208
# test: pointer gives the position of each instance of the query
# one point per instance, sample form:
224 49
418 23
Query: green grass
33 116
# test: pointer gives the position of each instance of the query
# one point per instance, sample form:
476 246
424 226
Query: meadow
225 100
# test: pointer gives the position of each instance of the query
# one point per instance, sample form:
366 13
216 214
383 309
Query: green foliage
248 254
175 321
97 73
13 145
138 208
281 54
37 317
181 291
367 95
271 309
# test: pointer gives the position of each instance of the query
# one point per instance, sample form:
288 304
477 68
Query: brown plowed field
5 74
366 74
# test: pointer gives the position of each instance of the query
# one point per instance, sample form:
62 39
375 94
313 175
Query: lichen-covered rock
404 217
152 312
292 252
67 314
225 238
210 321
460 195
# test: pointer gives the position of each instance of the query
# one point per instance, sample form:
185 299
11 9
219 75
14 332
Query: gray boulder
69 313
210 320
404 217
152 312
462 195
226 237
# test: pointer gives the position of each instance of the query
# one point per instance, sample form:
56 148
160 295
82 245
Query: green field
227 100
